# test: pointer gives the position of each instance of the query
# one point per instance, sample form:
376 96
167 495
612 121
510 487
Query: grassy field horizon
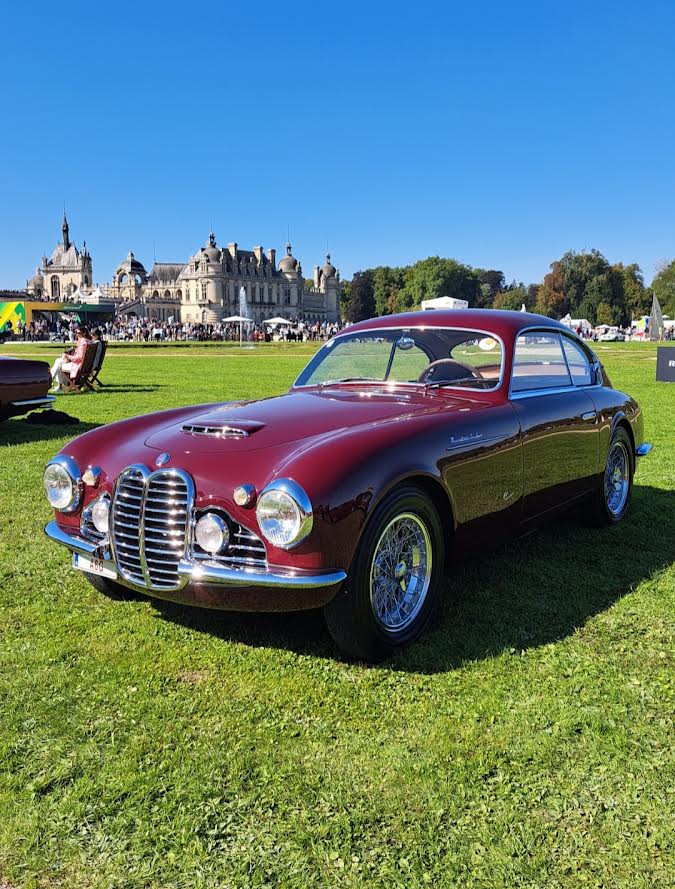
525 741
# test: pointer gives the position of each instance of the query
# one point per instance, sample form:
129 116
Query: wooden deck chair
79 382
99 355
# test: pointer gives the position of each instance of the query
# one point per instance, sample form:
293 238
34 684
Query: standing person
68 364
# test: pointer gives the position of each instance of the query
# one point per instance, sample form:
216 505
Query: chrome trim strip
532 393
204 572
237 577
44 400
403 329
643 449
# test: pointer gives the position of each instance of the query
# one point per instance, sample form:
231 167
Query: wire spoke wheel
617 478
400 572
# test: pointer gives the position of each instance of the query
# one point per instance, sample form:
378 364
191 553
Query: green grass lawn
527 740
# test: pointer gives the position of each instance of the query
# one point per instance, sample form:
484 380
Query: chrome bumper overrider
203 573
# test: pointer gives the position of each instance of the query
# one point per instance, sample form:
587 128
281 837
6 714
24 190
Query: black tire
350 616
113 590
610 506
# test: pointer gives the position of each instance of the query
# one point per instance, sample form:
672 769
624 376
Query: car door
558 420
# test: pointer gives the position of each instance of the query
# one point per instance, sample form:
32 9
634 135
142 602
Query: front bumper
214 586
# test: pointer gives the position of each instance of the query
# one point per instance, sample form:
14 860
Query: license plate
93 566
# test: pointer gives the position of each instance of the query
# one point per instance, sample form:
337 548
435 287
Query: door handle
589 415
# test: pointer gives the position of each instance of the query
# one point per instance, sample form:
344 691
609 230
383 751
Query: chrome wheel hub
617 478
400 572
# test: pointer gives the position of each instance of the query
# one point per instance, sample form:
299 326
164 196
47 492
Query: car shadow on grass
535 591
43 426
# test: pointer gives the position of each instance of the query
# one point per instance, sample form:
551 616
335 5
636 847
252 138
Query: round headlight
284 513
212 533
60 487
100 514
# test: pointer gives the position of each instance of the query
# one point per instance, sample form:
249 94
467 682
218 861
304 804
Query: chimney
272 253
258 252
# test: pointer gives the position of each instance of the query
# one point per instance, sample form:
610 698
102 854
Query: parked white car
613 335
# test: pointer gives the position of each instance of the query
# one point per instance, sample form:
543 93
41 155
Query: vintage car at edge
24 386
407 442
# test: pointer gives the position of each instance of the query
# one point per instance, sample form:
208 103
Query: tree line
584 284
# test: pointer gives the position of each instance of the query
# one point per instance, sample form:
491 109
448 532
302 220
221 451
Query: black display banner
665 364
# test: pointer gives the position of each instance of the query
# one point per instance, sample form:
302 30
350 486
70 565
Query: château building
207 288
64 272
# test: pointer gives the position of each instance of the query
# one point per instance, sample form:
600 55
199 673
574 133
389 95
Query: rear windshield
431 357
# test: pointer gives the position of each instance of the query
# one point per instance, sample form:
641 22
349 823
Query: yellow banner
13 312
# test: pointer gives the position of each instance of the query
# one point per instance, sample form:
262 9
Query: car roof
499 321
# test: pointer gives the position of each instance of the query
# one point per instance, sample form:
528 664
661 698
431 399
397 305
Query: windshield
429 356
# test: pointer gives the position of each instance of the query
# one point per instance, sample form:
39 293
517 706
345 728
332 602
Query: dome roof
131 266
288 263
328 270
211 250
37 280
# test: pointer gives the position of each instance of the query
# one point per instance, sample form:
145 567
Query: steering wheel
448 370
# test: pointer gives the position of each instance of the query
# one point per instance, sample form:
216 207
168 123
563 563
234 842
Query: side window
578 363
539 363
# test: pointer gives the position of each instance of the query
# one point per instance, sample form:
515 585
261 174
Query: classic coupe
406 442
24 386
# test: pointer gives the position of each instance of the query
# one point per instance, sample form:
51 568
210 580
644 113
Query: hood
232 428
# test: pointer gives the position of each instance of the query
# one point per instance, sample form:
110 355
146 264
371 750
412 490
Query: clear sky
498 133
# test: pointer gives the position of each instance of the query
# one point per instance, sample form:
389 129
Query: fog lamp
212 533
100 514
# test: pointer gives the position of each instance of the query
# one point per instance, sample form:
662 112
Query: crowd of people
64 329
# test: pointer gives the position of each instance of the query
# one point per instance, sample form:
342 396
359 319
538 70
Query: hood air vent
215 431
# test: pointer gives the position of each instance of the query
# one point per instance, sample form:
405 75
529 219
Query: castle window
56 288
203 290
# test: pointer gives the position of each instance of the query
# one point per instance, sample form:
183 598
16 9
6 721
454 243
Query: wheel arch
434 489
621 421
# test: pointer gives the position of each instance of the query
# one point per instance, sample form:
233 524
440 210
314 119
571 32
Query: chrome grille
245 550
126 524
149 525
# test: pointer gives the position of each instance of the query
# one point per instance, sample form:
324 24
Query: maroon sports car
406 442
24 386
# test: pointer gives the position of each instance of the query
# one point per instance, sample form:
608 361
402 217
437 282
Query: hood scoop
222 428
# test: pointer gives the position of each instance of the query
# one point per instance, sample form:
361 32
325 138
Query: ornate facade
67 270
207 288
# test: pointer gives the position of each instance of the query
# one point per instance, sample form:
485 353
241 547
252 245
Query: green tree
387 282
435 276
663 286
492 282
361 303
513 299
637 297
605 314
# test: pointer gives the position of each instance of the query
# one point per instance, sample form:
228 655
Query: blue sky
501 134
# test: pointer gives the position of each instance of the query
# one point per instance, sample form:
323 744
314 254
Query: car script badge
163 459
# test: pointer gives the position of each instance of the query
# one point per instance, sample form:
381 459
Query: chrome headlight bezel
287 491
68 465
221 527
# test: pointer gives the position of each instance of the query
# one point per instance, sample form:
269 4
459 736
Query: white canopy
276 321
239 319
444 302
